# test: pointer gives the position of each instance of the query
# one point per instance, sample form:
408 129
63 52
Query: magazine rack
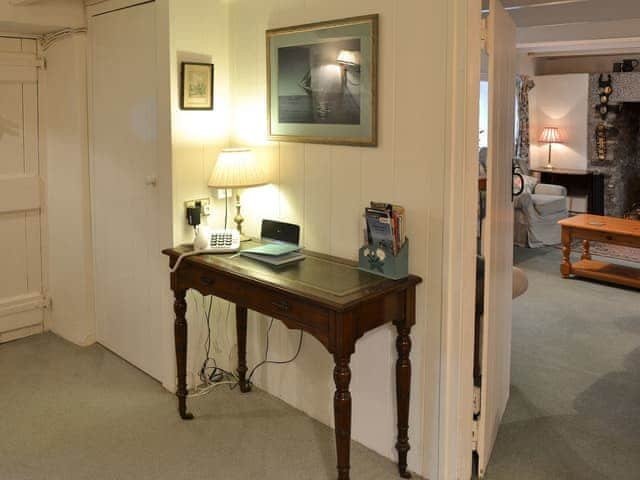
380 260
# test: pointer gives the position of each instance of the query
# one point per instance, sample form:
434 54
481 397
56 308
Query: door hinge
483 34
477 401
475 431
475 426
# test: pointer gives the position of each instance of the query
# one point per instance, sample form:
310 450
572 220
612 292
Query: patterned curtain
524 86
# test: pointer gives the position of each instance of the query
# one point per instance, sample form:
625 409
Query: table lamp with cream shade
238 168
550 135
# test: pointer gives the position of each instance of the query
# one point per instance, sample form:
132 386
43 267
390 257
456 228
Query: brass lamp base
239 219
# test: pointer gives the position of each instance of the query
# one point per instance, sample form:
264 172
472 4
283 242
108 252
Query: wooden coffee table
612 230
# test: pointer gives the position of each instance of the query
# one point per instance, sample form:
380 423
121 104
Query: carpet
606 250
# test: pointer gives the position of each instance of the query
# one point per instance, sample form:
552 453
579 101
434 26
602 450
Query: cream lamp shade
551 135
349 57
237 168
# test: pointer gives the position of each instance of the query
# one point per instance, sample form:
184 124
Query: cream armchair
537 211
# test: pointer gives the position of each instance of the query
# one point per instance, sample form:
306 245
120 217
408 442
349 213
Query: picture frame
322 84
196 86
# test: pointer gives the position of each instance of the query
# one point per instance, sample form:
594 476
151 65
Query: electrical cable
266 354
226 206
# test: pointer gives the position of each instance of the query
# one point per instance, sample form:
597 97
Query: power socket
203 203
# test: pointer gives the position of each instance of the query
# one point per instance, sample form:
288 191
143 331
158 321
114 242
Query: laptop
281 243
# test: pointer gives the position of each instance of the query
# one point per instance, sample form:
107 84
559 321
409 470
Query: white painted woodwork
21 283
560 101
496 324
124 80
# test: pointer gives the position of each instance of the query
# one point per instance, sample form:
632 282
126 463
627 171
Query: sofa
537 211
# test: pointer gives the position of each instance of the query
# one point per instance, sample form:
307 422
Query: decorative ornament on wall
601 141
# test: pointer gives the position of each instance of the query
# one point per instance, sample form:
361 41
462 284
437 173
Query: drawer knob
609 237
282 305
206 280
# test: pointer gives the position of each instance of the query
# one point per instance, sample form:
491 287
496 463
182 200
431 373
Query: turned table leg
342 413
565 267
180 337
241 330
403 392
586 250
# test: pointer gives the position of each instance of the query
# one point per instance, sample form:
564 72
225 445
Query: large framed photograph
196 91
322 82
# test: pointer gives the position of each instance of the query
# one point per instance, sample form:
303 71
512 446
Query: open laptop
281 243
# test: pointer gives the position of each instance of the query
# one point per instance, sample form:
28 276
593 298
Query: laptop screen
280 232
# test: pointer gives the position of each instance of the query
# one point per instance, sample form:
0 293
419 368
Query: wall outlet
204 203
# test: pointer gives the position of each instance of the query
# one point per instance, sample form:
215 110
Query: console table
327 297
577 182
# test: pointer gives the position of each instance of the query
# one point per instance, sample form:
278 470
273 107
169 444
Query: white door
496 325
21 283
123 170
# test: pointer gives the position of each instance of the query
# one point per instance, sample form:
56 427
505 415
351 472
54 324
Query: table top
603 224
321 277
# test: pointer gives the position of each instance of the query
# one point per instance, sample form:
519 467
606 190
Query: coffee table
598 228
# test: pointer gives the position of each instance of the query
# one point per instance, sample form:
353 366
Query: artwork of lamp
238 168
550 135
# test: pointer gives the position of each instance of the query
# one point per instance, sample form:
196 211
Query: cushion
520 283
547 205
530 183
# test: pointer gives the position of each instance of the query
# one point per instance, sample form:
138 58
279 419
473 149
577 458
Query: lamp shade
237 168
551 135
349 57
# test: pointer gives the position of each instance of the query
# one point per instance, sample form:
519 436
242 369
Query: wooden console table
612 230
326 297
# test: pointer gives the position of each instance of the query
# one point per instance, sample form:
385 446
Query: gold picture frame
196 88
322 84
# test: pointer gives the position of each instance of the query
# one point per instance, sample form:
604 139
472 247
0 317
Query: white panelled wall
324 189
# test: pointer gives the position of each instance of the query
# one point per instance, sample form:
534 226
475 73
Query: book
277 260
385 223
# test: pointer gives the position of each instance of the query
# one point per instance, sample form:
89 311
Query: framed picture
322 82
197 86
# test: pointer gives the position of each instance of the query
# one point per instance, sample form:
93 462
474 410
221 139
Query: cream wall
560 101
198 33
63 102
324 189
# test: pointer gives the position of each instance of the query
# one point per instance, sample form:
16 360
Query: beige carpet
69 413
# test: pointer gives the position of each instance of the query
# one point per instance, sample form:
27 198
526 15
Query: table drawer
604 237
284 307
261 299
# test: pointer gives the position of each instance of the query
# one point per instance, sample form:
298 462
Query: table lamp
550 135
237 168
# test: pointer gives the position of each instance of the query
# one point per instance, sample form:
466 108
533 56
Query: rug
606 250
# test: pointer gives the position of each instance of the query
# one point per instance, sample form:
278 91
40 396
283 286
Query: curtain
524 86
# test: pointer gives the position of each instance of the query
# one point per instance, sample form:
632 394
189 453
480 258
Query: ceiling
528 13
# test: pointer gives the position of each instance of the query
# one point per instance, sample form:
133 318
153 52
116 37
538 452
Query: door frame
459 271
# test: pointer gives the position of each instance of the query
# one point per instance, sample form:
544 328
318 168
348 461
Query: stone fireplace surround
622 165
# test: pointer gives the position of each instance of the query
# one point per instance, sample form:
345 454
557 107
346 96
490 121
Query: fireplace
622 164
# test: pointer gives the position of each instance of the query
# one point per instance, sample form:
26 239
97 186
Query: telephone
212 241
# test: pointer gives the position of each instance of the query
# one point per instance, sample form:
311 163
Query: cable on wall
50 39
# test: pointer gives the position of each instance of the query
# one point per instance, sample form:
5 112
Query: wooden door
21 272
496 325
123 156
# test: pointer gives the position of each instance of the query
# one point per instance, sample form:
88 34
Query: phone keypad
222 240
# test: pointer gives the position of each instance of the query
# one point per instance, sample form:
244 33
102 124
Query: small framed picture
197 86
322 82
